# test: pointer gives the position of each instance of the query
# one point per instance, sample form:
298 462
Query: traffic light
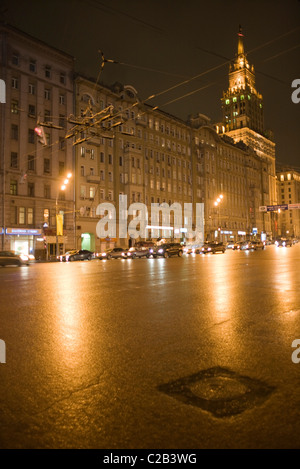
41 134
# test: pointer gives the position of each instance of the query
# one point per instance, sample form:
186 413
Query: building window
47 93
30 216
82 151
13 190
92 172
47 116
30 189
14 132
110 177
62 143
30 163
101 157
31 136
62 78
61 168
92 192
92 154
47 191
62 99
62 121
14 107
31 89
15 60
82 192
46 165
15 83
31 110
32 66
13 159
82 171
46 215
21 217
109 159
47 71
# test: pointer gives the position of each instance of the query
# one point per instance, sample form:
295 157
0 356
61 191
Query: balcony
93 179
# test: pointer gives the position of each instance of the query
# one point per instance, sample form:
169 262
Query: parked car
167 250
112 253
284 242
213 248
76 255
134 252
13 258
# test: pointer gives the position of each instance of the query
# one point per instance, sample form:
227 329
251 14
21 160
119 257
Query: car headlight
151 250
67 258
103 254
128 254
209 249
283 244
24 257
160 251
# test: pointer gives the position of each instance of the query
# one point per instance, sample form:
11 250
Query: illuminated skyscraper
243 121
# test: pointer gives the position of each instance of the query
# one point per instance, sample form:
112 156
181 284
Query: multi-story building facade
39 89
288 193
234 171
134 151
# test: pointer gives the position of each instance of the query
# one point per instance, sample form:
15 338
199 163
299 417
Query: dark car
284 242
13 258
167 250
134 252
213 248
113 253
77 255
252 245
257 245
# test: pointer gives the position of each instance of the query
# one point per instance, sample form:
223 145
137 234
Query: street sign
273 208
293 206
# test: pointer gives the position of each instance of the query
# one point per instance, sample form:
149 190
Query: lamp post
217 204
57 217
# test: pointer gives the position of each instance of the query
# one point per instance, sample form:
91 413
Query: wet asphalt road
191 352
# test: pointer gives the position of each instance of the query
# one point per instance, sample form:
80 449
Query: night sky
161 43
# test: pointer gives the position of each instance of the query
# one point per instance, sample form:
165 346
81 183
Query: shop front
22 240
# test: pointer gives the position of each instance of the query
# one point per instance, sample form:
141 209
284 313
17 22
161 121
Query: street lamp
58 216
217 204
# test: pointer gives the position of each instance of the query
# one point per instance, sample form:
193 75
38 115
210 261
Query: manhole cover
219 391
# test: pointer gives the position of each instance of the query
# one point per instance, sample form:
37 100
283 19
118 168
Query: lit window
21 215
